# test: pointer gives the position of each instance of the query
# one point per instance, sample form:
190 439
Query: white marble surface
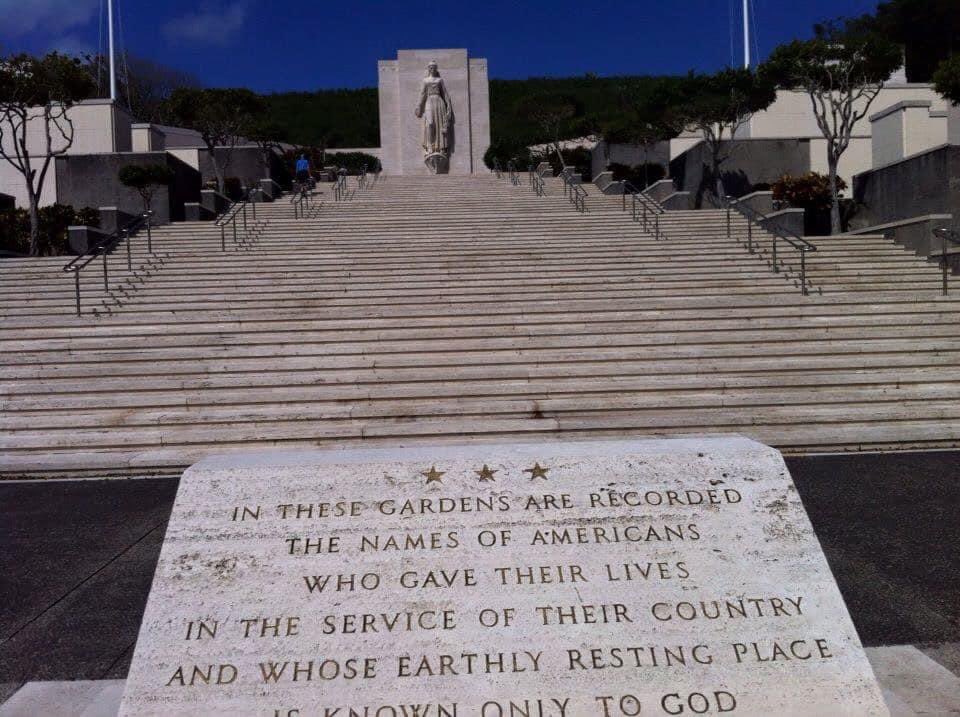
913 684
400 81
81 698
752 550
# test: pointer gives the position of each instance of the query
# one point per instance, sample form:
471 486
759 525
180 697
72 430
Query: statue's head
432 69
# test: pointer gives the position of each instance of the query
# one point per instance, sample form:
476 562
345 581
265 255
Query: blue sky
282 45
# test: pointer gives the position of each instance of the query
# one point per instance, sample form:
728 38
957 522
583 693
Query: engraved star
486 475
537 471
433 475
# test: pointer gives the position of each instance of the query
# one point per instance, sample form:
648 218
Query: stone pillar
953 124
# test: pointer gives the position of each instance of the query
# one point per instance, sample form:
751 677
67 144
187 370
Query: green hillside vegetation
327 118
349 118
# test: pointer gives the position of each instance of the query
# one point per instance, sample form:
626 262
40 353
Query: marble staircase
463 309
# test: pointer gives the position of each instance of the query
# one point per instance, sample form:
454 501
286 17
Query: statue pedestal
437 163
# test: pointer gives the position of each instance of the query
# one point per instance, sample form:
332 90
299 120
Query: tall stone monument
434 113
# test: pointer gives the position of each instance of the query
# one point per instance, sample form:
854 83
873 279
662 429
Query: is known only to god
435 110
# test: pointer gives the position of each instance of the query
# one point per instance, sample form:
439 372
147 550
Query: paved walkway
77 559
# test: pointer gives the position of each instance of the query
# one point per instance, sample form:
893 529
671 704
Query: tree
928 30
36 95
143 85
647 118
717 106
221 116
946 80
553 112
842 69
146 179
269 137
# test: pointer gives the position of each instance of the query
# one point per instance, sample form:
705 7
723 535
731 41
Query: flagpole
746 34
113 71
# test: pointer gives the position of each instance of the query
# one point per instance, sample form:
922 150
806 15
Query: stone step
732 385
466 309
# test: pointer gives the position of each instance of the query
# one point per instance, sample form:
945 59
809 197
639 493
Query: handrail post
803 271
105 280
129 261
244 216
149 233
234 222
946 268
656 219
253 206
223 238
776 267
749 235
728 221
76 281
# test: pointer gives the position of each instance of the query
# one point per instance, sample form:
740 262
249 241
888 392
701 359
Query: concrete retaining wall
916 233
927 183
605 154
91 180
750 162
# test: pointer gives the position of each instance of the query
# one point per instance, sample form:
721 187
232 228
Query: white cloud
23 16
211 24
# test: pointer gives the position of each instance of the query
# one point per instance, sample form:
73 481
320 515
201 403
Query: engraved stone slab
612 578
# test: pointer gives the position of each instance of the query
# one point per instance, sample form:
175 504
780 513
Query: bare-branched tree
842 69
36 95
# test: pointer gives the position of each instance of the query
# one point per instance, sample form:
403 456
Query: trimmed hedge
54 220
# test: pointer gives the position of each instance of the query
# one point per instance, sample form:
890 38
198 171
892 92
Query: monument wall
401 131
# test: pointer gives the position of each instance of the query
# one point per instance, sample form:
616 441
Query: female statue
436 111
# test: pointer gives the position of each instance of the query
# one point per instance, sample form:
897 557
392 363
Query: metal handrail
514 176
630 188
948 236
300 201
574 191
539 186
643 209
778 233
236 210
104 247
340 191
362 177
497 169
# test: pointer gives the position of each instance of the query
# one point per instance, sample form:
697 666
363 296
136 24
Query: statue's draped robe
437 115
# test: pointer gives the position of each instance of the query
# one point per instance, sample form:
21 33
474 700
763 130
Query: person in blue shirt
303 169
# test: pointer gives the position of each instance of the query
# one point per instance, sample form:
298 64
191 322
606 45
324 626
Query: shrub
54 220
15 231
506 152
146 180
352 161
808 191
811 191
233 188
